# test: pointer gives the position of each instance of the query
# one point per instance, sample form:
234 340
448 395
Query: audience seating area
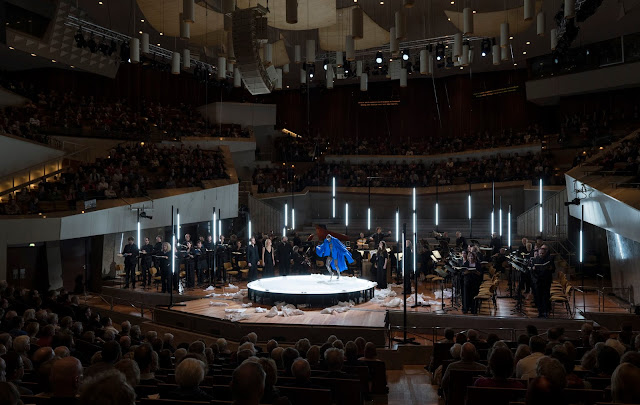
56 339
130 170
459 171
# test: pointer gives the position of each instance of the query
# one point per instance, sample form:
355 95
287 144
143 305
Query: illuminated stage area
315 289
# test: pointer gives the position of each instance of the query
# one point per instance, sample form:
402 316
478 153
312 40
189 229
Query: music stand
405 340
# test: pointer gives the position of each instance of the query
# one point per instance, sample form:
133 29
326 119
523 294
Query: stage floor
198 315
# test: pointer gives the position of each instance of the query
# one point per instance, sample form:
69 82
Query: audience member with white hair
62 352
107 388
624 384
131 371
189 374
22 345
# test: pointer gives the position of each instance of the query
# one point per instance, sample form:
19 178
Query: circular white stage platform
311 289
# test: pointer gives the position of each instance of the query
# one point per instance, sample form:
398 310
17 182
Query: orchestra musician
252 259
472 280
296 239
146 252
378 236
157 250
163 262
284 252
541 277
461 241
207 246
495 244
408 266
130 253
222 256
299 260
522 249
362 242
382 258
187 239
189 264
201 261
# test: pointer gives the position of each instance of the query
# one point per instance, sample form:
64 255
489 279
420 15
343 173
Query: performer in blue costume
337 254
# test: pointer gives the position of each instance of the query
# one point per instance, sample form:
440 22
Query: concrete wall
194 207
625 267
17 154
549 91
245 114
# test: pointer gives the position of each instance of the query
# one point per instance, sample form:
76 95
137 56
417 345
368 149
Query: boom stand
404 339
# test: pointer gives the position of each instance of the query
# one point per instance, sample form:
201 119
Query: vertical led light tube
397 225
540 212
333 197
286 215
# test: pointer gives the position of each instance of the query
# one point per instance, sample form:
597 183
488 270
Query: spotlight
144 215
485 47
311 72
325 63
379 57
440 51
405 54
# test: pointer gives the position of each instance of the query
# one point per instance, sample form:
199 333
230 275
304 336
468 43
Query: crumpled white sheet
260 310
421 300
384 293
342 306
394 303
218 304
285 310
272 312
234 310
213 295
393 285
247 305
231 287
235 317
210 288
447 294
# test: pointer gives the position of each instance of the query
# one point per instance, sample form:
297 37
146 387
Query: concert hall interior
311 202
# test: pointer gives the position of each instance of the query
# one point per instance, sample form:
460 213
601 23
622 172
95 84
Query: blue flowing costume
338 252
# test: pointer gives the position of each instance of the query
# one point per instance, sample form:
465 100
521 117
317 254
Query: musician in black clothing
187 238
299 261
188 258
495 244
222 256
201 262
163 263
378 236
130 253
523 248
253 255
472 280
296 239
461 241
408 266
157 250
207 250
284 252
541 277
146 252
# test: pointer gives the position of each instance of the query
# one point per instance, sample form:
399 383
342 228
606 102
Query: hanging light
285 68
496 54
378 57
231 53
339 58
145 42
467 19
364 82
504 34
393 42
569 9
457 45
222 67
175 63
424 61
186 56
237 78
292 11
357 19
303 76
311 51
405 54
185 28
268 54
134 51
350 46
504 54
464 58
401 25
403 77
278 79
540 24
554 39
297 54
528 9
188 11
359 68
329 76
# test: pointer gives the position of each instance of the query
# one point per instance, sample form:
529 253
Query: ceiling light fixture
405 54
378 57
